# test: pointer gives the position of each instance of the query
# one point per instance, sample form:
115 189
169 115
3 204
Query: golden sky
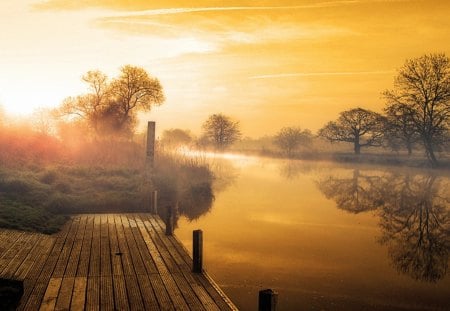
266 63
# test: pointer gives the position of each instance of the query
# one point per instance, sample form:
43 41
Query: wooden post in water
267 300
197 251
169 220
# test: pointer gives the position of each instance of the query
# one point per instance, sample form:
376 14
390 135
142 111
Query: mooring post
197 251
267 300
169 221
155 202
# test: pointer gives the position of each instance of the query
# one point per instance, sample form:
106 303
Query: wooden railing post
267 300
169 221
197 251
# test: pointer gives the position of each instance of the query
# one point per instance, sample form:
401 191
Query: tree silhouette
359 126
400 128
221 130
423 85
110 107
290 138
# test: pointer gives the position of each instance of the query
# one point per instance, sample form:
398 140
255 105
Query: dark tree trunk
430 153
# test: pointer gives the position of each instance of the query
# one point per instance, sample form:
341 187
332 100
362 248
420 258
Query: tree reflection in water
414 216
186 188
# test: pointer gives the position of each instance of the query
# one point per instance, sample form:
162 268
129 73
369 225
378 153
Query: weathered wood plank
106 293
63 257
93 293
65 293
51 294
94 262
120 293
74 258
42 281
79 293
105 251
85 255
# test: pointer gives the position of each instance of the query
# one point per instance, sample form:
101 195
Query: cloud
313 74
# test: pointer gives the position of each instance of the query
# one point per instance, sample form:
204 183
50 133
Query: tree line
417 112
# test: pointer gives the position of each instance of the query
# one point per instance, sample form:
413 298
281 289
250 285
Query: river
326 236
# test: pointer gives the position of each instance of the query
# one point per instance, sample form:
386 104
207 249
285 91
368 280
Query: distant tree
221 130
135 90
423 85
43 121
110 107
400 128
290 138
358 126
176 137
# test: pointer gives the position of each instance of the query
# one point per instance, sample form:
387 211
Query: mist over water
326 236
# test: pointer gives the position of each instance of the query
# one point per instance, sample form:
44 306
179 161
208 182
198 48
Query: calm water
327 236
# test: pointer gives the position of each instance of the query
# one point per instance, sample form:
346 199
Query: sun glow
267 64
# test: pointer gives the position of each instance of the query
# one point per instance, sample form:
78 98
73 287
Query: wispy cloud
328 4
313 74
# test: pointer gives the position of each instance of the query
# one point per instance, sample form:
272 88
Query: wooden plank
116 257
170 263
105 252
162 296
148 296
63 257
147 259
120 293
106 293
74 258
131 285
34 272
79 294
85 255
188 294
42 247
133 292
94 261
135 256
65 293
14 255
51 294
36 296
93 293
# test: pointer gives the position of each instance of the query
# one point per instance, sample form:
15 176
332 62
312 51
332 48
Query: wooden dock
107 262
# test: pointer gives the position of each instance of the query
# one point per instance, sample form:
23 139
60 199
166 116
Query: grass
38 198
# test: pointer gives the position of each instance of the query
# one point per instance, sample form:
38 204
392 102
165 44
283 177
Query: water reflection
414 216
292 169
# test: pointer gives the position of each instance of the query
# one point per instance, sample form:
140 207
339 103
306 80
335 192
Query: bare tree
290 138
423 85
358 126
400 128
221 130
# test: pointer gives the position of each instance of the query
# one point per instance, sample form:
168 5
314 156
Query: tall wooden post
197 251
151 144
155 202
267 300
169 221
